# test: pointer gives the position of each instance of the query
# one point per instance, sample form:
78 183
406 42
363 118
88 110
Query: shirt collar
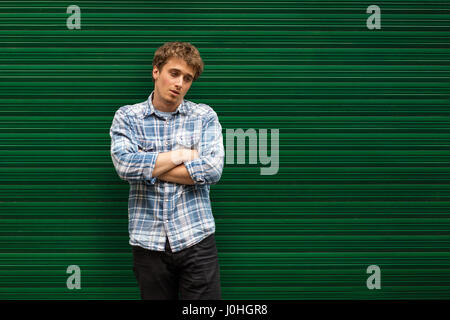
182 108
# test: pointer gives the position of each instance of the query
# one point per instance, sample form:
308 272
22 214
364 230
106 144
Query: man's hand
179 156
186 155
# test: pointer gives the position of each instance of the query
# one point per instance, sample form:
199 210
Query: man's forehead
179 65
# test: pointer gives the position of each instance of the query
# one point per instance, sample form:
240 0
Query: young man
170 150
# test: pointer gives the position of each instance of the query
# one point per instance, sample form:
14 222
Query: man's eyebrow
178 70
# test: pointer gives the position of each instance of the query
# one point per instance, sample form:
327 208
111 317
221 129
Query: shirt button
167 143
166 200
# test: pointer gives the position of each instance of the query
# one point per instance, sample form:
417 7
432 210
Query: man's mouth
175 92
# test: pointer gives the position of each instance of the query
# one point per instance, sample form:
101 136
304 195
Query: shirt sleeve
130 164
207 169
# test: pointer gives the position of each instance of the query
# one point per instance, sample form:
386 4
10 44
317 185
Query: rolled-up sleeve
130 164
207 169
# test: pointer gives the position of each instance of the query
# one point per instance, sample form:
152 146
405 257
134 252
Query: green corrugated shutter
363 117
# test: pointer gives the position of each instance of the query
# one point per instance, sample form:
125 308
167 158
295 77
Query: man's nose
179 82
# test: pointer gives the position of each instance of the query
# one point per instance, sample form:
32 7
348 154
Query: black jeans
190 274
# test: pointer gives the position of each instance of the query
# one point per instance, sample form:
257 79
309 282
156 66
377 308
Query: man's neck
161 105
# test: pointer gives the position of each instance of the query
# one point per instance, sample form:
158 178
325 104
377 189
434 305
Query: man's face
173 81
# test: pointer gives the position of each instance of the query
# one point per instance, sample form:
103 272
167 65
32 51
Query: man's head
175 66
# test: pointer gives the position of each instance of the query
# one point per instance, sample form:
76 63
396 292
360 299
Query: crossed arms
182 166
167 167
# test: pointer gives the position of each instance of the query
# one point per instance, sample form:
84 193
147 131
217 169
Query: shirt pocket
188 141
147 145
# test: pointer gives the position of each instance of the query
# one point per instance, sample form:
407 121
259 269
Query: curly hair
182 50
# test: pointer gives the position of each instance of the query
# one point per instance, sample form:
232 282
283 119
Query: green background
364 144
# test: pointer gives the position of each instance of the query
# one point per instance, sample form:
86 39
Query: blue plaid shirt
157 208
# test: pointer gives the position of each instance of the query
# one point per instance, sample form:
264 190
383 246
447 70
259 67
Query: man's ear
155 73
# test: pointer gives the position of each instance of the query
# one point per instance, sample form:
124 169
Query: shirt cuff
149 165
195 169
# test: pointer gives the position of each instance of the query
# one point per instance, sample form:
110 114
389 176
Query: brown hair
182 50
